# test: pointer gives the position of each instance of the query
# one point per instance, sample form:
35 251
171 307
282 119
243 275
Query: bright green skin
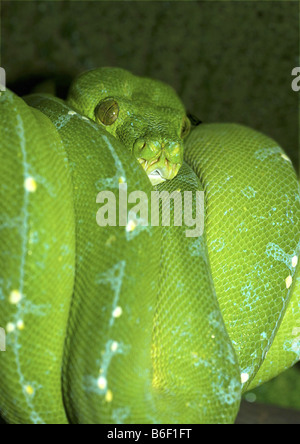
166 356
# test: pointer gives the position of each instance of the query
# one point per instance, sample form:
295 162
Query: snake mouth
156 177
160 169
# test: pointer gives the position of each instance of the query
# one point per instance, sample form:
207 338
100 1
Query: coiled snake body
135 323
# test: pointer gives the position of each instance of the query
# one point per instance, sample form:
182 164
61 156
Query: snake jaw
156 178
160 169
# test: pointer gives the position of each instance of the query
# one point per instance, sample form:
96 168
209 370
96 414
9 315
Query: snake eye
107 111
185 128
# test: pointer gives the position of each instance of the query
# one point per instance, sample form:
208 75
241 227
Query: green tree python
137 323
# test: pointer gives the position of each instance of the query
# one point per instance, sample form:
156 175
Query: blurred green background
228 61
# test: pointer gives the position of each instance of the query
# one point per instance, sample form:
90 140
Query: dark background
228 61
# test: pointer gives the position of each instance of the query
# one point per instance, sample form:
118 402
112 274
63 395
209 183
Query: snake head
145 115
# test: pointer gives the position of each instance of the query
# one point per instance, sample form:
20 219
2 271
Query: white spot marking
10 327
20 325
131 226
294 261
114 346
102 383
108 396
289 281
244 378
29 390
15 297
30 185
117 312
